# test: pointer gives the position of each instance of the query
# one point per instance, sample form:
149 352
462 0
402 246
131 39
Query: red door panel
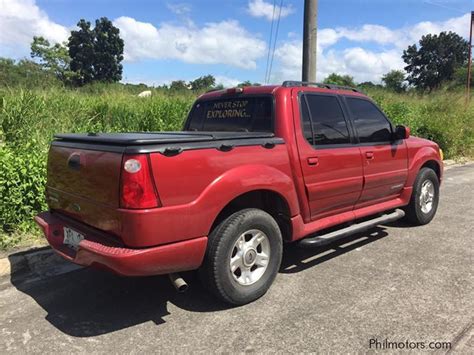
333 176
335 184
385 172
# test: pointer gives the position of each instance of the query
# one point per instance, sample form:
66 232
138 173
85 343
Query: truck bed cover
168 143
141 138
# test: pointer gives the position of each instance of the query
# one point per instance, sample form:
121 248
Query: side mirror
401 132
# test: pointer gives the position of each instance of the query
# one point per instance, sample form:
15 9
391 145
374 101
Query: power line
443 6
275 41
270 43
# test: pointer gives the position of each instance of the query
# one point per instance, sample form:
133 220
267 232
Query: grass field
28 120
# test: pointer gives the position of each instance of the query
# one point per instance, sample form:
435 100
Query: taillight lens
137 186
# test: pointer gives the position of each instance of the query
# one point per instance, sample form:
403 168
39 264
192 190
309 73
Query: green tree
247 83
96 54
178 85
436 59
460 77
367 85
81 51
203 83
394 79
26 74
54 58
108 51
336 79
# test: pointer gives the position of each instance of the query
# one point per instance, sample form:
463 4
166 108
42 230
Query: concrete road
393 284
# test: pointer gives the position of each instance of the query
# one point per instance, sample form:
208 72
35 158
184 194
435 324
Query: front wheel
424 199
243 256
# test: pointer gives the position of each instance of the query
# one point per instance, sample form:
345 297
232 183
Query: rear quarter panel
196 185
183 178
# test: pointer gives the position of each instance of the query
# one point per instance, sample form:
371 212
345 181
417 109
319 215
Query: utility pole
309 40
469 63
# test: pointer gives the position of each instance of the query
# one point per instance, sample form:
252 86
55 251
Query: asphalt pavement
390 289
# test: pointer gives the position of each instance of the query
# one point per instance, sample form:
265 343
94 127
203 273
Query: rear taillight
137 186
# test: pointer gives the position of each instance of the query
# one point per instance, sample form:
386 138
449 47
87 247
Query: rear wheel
424 199
243 256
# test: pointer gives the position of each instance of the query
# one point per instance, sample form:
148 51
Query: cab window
323 120
371 125
243 113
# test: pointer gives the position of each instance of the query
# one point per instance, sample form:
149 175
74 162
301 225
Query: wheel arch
424 157
433 165
267 200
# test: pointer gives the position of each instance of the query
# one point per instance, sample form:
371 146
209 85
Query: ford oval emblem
74 161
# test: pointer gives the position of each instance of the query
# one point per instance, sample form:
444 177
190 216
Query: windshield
243 113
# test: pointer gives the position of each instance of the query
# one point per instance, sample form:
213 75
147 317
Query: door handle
313 161
369 155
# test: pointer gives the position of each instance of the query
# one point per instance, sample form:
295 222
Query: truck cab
253 168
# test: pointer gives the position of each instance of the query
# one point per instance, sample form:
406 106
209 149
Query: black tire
414 212
216 273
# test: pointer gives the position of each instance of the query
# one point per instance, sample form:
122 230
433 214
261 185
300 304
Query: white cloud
225 42
368 33
369 65
404 36
179 9
361 63
367 51
260 8
327 37
20 20
227 82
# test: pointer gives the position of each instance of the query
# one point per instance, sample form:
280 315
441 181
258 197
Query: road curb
16 255
5 268
37 263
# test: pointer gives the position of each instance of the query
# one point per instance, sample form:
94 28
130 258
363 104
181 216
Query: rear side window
370 123
247 114
326 120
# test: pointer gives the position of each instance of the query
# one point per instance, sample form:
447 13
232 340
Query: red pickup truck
253 168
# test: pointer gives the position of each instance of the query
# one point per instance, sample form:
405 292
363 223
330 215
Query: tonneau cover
157 137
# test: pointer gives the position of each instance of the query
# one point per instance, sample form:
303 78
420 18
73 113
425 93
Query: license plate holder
72 238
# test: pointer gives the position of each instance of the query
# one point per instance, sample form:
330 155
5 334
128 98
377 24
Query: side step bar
324 239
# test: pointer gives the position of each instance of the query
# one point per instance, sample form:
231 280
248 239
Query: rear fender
180 222
238 181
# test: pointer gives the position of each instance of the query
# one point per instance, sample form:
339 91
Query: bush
442 117
21 187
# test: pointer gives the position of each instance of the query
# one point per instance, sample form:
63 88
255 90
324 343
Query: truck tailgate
84 184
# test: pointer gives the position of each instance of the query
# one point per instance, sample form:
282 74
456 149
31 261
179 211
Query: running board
324 239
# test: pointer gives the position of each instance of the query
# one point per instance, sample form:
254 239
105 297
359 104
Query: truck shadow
88 302
296 259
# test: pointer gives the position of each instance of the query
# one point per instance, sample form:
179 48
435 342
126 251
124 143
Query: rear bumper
97 250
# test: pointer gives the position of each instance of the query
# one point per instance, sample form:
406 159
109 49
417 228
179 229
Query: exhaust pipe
179 284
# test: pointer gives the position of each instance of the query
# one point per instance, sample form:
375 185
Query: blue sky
167 40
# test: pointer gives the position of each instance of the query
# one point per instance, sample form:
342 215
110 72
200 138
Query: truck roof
286 85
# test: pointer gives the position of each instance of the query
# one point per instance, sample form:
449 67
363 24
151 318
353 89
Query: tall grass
442 117
35 116
29 119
